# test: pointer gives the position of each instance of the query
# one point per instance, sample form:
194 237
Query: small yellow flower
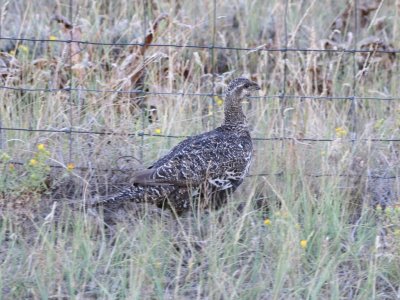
41 147
157 131
303 244
23 48
340 132
33 162
11 167
12 52
70 166
267 222
52 38
218 100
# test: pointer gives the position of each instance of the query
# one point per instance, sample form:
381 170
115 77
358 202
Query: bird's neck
234 115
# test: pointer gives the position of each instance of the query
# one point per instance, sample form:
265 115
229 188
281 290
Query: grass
325 237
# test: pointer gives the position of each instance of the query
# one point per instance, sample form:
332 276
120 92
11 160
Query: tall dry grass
302 230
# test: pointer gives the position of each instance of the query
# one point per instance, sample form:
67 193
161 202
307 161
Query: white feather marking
222 184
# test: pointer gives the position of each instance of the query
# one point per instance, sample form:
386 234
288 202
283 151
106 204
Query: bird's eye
246 85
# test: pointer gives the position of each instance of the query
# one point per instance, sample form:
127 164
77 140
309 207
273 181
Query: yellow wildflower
11 167
52 38
41 147
267 222
157 131
33 162
23 48
70 166
340 132
218 100
303 244
12 52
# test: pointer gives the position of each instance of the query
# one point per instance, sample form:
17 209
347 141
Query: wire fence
263 48
283 96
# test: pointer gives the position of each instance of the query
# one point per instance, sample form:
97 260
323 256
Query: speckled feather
202 169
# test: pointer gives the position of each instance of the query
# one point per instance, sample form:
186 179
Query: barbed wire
140 134
136 91
162 45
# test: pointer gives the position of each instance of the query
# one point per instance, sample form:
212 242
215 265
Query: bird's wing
197 159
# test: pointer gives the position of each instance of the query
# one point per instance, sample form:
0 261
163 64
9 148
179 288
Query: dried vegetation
322 221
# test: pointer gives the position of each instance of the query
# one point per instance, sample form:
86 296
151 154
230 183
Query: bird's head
242 87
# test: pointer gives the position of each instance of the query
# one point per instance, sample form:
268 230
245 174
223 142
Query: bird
202 170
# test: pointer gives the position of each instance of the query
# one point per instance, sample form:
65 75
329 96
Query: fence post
143 82
70 73
282 94
353 99
1 119
212 61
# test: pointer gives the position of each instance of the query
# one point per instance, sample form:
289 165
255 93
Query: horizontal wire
73 131
259 48
278 174
67 89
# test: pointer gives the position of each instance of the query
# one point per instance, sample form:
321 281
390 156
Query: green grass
224 254
52 250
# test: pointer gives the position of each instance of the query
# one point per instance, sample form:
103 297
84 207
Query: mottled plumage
381 188
201 169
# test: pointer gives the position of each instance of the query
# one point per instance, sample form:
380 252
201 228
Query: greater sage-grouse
202 169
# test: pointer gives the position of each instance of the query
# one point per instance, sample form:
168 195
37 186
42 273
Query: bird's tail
135 193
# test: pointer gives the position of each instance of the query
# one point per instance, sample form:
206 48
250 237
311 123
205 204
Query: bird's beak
254 87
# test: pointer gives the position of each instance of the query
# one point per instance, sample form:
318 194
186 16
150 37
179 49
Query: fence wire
282 96
262 48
